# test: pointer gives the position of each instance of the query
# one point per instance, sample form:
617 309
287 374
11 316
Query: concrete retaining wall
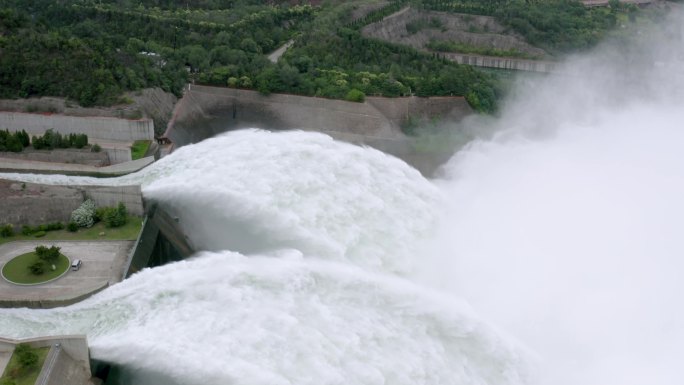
118 155
161 241
76 346
60 369
95 127
207 111
500 62
151 102
51 303
139 257
399 110
34 204
62 155
131 196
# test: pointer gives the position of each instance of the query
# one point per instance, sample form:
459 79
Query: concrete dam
205 111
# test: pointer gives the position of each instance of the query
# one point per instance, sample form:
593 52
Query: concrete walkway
5 356
275 55
103 263
30 166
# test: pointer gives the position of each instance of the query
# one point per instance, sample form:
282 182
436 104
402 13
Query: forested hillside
91 51
558 26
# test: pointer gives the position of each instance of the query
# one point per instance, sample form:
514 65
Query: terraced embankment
418 28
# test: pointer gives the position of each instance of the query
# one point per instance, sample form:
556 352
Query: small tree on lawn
115 216
28 358
48 255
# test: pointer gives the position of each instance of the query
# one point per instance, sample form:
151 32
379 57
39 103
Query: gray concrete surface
275 55
37 204
61 155
67 363
152 102
207 111
61 369
103 128
5 356
118 151
103 263
110 196
29 166
505 63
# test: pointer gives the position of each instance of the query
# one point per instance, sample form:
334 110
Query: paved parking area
103 263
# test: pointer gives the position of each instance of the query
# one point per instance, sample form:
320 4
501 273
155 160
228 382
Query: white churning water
329 263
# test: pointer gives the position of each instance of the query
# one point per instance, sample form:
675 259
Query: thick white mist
566 229
225 318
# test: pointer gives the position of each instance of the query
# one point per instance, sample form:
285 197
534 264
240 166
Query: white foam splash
254 191
224 318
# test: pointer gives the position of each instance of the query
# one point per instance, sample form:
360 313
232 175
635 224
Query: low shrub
115 216
96 148
37 268
55 226
72 227
39 234
28 358
85 214
13 141
42 228
52 139
355 95
27 230
6 231
100 213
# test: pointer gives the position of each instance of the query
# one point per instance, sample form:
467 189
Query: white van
76 264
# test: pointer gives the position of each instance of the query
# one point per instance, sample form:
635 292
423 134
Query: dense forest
91 51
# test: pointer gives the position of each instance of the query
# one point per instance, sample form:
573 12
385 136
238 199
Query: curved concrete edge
2 273
35 167
51 303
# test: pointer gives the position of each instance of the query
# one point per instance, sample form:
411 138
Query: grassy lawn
20 377
139 148
16 270
129 231
453 46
